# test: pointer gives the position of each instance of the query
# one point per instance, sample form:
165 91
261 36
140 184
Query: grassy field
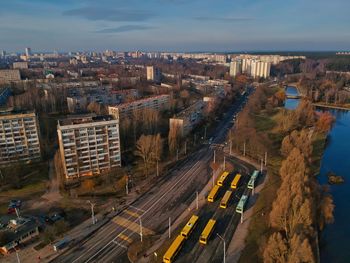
32 183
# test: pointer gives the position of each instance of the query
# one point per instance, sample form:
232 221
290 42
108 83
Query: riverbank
259 228
331 106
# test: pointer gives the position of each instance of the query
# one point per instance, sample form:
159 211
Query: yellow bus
235 181
188 228
222 178
225 199
208 230
174 248
213 193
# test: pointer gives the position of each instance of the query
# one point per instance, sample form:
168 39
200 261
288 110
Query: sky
175 25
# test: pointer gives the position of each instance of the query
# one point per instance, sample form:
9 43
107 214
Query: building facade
235 68
19 137
153 74
159 102
9 75
20 65
187 119
89 145
260 69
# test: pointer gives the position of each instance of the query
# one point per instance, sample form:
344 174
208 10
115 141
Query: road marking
134 227
173 186
131 213
125 237
117 243
138 209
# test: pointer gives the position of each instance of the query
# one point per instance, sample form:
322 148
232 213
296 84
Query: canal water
335 239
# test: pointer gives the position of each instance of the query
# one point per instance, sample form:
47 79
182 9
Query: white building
89 146
260 69
153 74
160 102
19 139
235 68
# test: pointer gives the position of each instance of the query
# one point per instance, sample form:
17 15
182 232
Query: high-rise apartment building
153 74
89 145
260 69
124 110
28 52
19 139
235 68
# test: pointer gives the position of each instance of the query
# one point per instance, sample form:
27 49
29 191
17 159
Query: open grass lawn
32 182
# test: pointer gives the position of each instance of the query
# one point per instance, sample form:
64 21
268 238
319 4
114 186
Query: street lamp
92 212
224 245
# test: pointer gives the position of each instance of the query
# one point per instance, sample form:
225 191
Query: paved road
227 221
170 197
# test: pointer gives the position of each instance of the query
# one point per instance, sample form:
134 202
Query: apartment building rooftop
10 112
84 119
140 101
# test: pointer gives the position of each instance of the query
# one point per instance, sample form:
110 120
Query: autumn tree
280 96
300 250
94 107
325 208
149 148
324 122
174 137
305 113
144 150
276 249
297 139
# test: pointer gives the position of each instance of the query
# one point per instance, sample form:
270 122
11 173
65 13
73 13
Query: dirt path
52 195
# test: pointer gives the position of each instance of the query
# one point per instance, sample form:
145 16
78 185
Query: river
335 245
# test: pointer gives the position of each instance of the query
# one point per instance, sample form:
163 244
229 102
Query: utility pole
92 212
261 164
224 246
140 228
265 158
197 200
213 179
18 260
127 185
169 227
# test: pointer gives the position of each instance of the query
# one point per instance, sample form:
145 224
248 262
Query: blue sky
174 25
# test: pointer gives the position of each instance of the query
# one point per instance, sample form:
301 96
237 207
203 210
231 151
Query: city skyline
174 25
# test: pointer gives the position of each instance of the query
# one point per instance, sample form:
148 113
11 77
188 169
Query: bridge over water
292 92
